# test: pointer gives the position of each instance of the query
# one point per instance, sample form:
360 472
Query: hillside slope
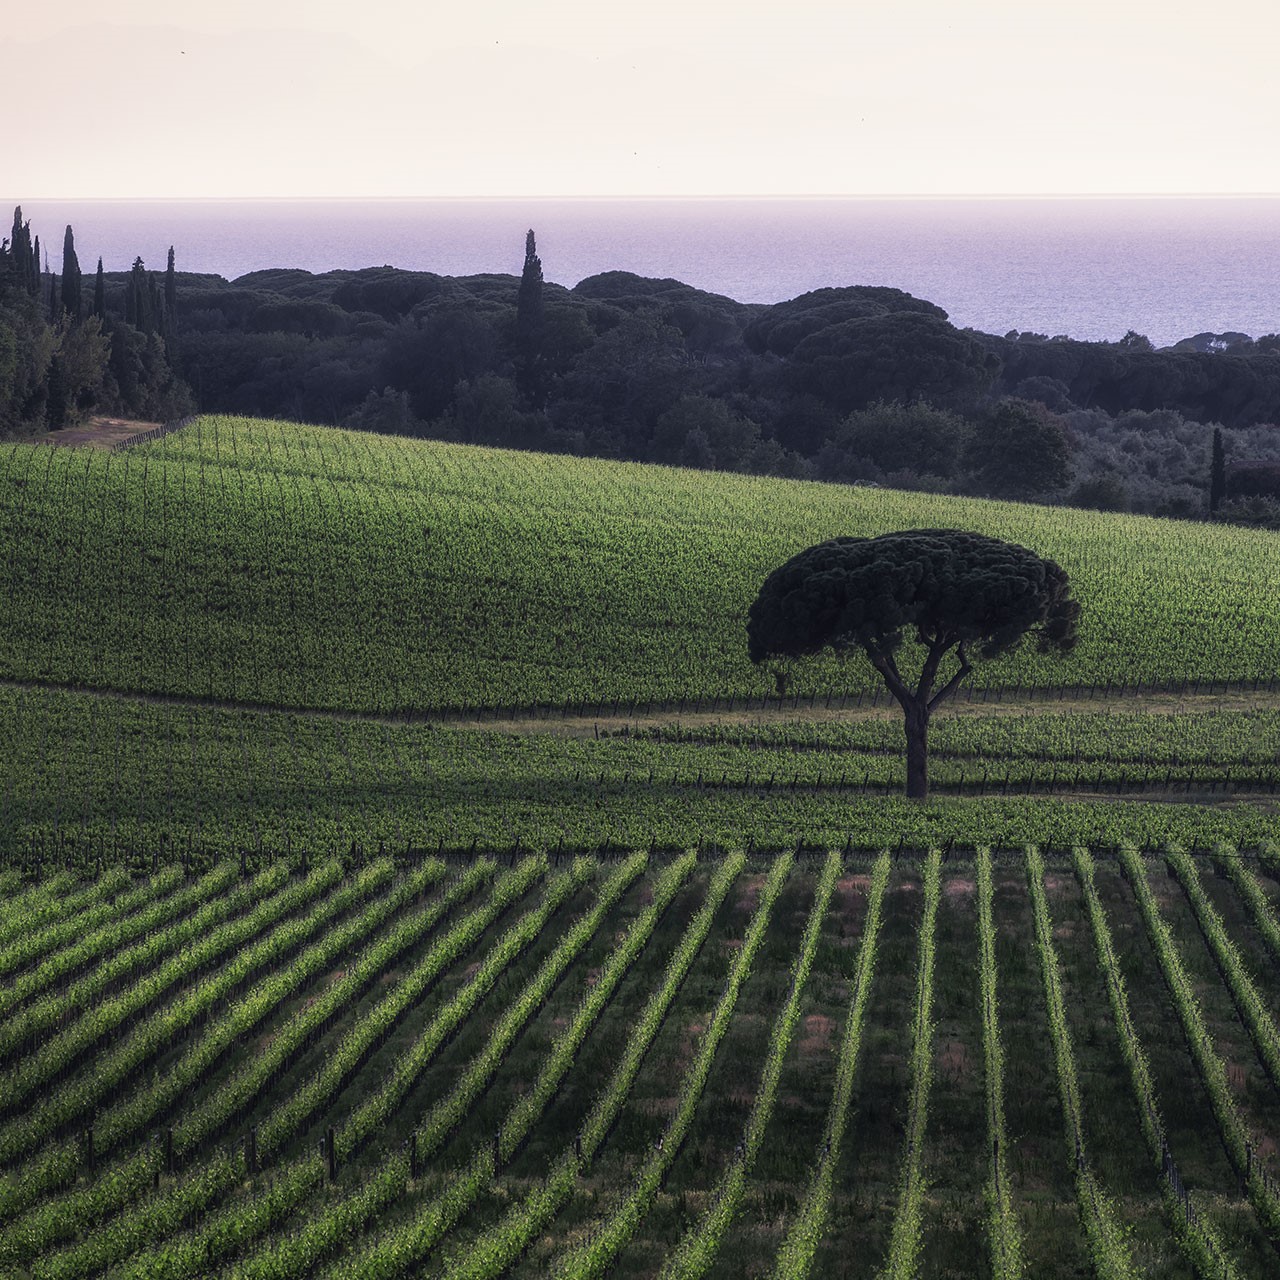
291 566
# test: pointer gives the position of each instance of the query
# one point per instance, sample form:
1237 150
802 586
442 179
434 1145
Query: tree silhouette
530 312
946 588
71 280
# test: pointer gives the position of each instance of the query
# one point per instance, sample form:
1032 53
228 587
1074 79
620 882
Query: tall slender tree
139 290
1217 472
71 281
170 287
99 294
530 378
155 301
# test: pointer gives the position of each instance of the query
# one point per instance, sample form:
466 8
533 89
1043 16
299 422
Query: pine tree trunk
917 726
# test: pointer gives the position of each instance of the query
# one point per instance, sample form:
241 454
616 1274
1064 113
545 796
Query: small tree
950 589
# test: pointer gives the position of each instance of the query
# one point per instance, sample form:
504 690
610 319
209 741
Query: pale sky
132 98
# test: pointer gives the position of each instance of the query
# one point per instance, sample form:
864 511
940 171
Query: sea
1092 268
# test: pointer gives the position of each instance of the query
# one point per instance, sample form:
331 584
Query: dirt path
98 433
596 724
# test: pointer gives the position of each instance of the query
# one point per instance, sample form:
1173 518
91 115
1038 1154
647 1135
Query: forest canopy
651 369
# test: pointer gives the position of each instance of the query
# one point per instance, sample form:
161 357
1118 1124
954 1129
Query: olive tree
947 589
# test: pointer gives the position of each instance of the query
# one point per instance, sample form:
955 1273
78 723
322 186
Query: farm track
687 713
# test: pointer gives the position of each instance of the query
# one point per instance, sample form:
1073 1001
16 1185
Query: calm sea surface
1090 268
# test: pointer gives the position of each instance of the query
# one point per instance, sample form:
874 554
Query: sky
437 98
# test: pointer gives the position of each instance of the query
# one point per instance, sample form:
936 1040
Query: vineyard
407 874
89 780
299 567
1009 1063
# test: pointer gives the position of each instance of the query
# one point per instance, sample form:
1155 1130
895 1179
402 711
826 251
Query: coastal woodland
860 384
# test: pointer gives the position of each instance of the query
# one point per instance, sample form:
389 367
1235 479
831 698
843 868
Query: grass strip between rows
905 1242
606 1239
1213 1072
297 1254
697 1250
1195 1234
1005 1232
1108 1251
1253 1013
496 1249
795 1257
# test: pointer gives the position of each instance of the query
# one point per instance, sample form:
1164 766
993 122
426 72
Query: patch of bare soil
749 892
851 885
959 887
816 1035
99 433
954 1059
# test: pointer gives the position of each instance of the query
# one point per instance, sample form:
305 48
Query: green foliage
915 439
781 327
1217 472
898 356
1019 450
946 586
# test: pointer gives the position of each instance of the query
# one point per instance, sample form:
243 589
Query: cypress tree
1217 473
99 294
54 309
529 316
138 310
529 304
170 287
155 305
24 260
71 281
19 254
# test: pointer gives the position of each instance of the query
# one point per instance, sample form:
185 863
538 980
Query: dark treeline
64 354
859 384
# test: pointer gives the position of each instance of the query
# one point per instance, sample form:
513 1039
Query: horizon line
655 199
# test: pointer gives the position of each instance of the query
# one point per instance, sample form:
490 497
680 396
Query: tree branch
929 672
950 687
885 665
